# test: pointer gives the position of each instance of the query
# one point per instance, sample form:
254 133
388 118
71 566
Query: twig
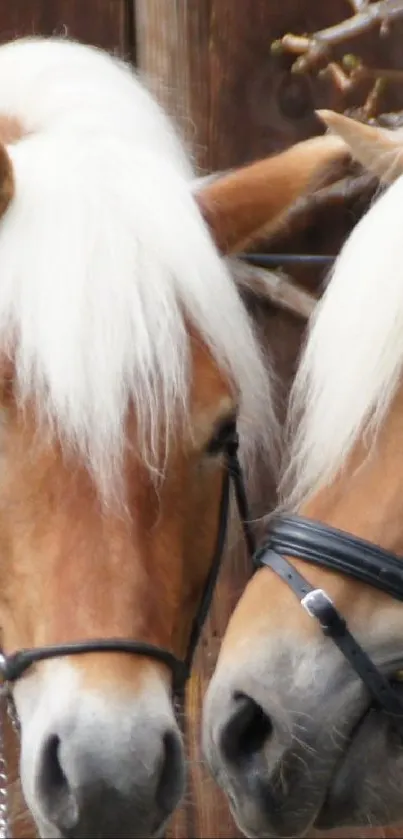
354 70
275 287
358 5
339 77
312 48
347 82
384 73
343 192
371 105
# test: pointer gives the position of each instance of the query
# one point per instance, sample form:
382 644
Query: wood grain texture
104 23
236 101
209 63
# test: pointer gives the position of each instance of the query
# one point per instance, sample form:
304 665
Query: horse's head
126 357
291 731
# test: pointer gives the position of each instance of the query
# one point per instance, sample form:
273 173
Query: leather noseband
326 547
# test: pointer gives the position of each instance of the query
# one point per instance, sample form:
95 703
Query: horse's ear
6 180
377 149
247 204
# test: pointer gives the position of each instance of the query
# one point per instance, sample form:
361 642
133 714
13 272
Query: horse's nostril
61 804
246 732
103 786
171 776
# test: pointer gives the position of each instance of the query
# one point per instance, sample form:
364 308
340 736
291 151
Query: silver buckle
313 599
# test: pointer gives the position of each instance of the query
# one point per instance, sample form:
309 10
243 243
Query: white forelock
103 253
352 362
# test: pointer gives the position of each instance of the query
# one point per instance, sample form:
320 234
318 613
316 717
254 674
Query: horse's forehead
211 394
32 453
210 384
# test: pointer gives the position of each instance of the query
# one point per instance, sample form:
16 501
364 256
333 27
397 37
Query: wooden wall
209 62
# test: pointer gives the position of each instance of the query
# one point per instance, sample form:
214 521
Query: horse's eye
223 435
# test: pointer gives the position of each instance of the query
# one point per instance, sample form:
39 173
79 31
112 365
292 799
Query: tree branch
273 286
358 5
343 192
313 48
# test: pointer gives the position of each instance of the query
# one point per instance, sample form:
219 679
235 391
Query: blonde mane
352 362
104 255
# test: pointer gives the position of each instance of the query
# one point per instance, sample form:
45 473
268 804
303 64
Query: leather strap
292 535
13 666
235 471
208 592
339 551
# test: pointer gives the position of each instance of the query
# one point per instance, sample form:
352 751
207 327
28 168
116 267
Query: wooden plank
162 51
209 63
103 23
201 60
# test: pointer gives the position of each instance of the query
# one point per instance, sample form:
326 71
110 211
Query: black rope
269 260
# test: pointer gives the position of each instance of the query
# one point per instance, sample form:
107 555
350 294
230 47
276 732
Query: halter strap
333 549
339 551
13 666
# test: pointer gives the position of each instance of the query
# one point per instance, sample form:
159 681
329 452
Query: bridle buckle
315 601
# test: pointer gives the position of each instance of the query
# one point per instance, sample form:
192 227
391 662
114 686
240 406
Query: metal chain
5 828
12 713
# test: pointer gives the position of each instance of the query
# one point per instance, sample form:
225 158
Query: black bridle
326 547
13 666
294 536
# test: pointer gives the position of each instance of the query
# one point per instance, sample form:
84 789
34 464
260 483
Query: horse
302 723
126 354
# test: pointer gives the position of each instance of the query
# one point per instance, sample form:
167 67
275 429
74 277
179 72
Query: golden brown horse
126 352
290 731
